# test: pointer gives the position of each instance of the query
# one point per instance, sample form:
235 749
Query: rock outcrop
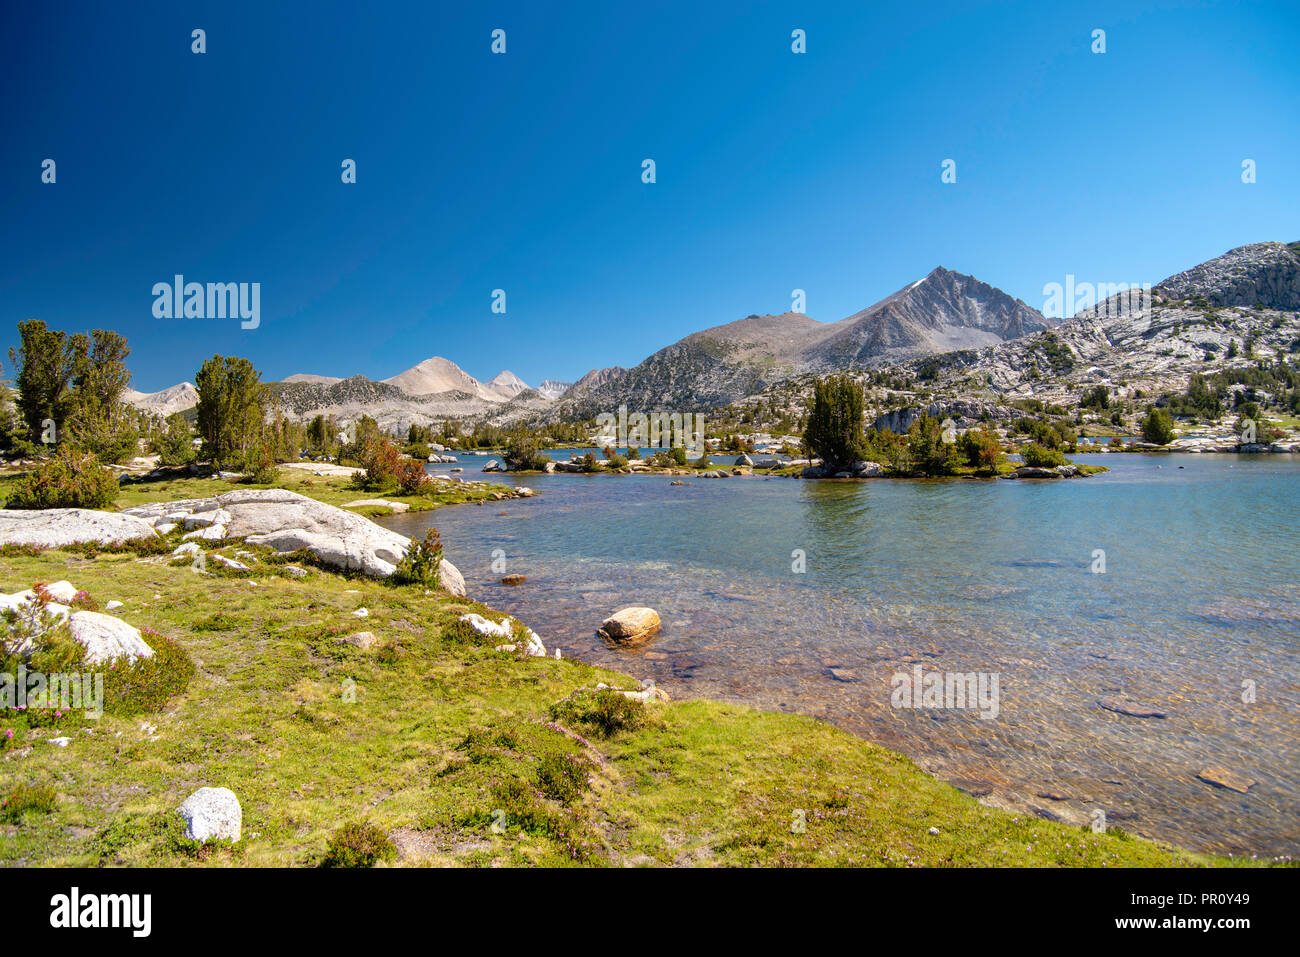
1263 274
287 522
54 527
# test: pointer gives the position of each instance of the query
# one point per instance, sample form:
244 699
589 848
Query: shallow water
1199 595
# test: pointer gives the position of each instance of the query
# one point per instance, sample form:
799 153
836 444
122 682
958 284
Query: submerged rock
631 625
1130 708
1224 778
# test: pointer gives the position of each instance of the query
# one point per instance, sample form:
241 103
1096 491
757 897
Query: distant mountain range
943 311
176 398
963 324
550 389
1248 296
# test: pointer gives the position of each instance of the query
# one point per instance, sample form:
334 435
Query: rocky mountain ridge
959 336
939 312
1228 313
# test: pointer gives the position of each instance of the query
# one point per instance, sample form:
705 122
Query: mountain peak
176 398
551 389
506 377
435 374
943 311
506 385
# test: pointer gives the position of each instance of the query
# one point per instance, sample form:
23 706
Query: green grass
333 490
459 754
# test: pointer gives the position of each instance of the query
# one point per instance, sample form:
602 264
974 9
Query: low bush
25 798
388 470
147 684
1041 457
607 712
175 446
420 564
359 845
259 467
981 448
70 479
563 777
1158 427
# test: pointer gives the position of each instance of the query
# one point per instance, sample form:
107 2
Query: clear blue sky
477 171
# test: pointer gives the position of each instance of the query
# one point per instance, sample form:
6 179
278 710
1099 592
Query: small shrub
523 810
483 744
388 470
175 445
21 551
1158 427
420 564
26 798
1041 457
563 777
217 621
359 845
259 467
147 684
981 448
70 479
606 711
23 629
521 454
83 602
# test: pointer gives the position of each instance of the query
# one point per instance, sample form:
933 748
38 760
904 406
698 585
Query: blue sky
522 171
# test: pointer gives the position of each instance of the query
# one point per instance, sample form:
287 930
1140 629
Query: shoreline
752 735
550 608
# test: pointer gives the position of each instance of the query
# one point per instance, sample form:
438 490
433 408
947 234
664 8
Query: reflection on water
1199 595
